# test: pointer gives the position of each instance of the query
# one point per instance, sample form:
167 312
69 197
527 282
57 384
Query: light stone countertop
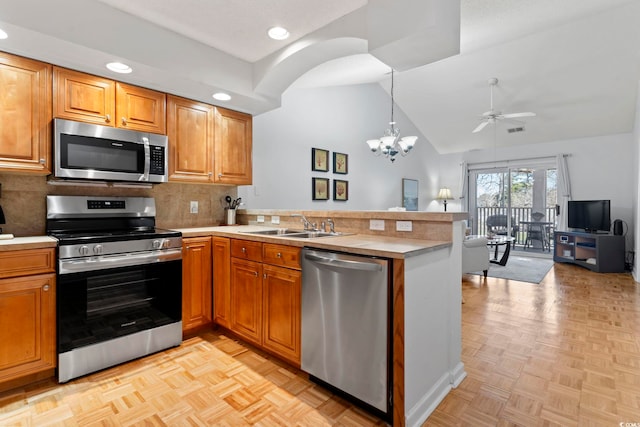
362 244
32 242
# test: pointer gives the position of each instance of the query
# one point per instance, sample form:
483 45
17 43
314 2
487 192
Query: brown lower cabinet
263 295
196 283
27 316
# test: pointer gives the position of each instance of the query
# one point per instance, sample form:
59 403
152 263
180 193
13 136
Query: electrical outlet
376 224
260 218
275 219
404 225
194 207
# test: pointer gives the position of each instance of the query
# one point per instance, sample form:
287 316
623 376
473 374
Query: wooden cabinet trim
27 262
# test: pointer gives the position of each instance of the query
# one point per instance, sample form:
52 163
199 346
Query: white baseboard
457 375
417 415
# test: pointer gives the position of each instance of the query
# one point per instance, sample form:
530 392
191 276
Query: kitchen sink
276 232
298 234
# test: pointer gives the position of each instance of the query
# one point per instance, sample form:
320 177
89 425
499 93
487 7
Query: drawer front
282 255
246 249
27 262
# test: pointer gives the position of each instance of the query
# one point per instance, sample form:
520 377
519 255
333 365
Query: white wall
599 168
337 119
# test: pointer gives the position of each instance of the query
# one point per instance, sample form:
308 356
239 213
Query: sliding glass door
514 195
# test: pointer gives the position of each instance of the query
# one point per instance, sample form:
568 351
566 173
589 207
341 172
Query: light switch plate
193 208
376 224
275 219
260 218
404 225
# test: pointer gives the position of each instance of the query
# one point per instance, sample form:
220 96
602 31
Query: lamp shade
444 194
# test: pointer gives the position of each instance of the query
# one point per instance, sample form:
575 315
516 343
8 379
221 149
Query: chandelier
390 145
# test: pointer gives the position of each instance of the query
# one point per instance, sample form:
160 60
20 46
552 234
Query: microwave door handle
147 159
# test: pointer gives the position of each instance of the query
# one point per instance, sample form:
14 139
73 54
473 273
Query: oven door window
84 152
100 305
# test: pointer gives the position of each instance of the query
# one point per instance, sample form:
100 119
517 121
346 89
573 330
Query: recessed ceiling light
221 96
119 67
278 33
3 35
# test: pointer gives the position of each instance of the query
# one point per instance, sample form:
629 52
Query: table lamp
445 194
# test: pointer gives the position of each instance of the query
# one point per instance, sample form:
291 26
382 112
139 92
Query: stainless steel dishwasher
345 328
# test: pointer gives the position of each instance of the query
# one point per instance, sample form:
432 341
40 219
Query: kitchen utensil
236 203
228 200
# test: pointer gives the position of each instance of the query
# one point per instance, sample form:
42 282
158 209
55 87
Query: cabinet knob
255 273
244 250
264 275
124 121
279 255
107 118
219 175
45 288
210 173
43 161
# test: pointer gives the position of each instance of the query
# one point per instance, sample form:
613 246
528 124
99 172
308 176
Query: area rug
531 270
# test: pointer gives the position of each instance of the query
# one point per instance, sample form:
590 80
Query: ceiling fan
491 116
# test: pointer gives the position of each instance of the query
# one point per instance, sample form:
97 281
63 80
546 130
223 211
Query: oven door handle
79 265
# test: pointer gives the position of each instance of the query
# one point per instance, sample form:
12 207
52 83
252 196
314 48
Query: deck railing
517 215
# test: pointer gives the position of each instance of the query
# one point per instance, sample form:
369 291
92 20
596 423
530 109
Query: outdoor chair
497 224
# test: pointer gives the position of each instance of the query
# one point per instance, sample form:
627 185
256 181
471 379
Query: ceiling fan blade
514 115
480 127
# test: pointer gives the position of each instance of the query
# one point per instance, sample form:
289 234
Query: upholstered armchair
475 255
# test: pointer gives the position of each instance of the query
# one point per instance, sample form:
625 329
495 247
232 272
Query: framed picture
410 194
320 188
340 190
340 163
319 160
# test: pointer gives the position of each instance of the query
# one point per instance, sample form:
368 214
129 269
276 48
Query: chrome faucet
331 225
306 224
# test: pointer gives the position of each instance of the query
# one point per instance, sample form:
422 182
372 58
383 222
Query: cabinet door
232 157
190 130
83 97
25 115
140 109
281 296
196 282
246 299
28 332
221 281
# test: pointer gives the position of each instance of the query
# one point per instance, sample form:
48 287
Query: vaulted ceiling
575 63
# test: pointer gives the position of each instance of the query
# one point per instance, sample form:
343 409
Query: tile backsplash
23 200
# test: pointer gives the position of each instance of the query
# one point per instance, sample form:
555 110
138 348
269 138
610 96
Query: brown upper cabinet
208 144
232 149
25 115
87 98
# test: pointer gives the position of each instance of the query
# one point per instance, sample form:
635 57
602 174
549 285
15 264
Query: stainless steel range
119 282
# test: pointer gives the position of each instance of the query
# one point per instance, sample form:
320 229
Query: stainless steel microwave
89 151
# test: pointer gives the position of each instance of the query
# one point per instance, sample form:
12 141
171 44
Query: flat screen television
591 216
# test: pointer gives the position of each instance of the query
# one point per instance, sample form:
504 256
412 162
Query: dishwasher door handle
351 265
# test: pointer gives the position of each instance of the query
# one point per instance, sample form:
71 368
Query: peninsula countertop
362 244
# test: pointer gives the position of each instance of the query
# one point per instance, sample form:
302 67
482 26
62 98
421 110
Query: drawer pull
244 250
124 121
107 118
45 288
279 255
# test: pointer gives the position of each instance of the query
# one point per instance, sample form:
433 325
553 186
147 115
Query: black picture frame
340 190
340 163
319 160
320 188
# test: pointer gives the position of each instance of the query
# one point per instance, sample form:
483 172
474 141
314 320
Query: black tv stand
603 253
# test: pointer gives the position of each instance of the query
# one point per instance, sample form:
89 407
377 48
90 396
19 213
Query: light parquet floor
565 352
